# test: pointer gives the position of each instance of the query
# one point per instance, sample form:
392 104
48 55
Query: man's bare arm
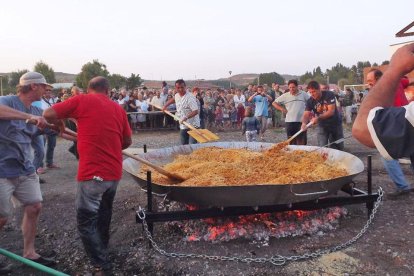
382 94
8 113
252 96
170 101
279 107
126 142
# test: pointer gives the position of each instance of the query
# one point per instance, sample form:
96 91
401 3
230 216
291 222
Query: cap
33 78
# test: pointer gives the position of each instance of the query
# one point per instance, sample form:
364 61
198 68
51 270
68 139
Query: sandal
44 261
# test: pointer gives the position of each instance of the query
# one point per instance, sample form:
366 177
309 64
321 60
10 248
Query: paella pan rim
246 195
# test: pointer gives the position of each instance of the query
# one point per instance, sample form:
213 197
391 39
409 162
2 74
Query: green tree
117 81
351 76
133 81
46 71
317 72
385 62
320 79
5 85
306 77
15 77
269 78
360 70
89 71
343 82
337 72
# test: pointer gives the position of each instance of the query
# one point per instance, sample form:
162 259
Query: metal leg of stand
149 199
370 205
149 203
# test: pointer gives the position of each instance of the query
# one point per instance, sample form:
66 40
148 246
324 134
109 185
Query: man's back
102 124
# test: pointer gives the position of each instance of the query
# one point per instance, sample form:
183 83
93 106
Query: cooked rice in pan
213 166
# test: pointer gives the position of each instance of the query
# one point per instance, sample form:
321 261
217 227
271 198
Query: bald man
103 132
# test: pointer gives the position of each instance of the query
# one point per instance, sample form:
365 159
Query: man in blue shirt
17 173
261 111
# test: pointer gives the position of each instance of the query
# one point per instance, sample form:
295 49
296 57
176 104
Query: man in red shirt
103 131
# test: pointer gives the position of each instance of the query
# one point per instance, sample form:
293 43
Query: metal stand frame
356 196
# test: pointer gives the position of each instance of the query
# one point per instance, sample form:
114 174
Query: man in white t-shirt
293 104
157 100
187 111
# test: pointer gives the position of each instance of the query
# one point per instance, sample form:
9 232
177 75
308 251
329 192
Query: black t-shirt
320 106
392 131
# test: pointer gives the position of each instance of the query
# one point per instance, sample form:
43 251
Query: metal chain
276 260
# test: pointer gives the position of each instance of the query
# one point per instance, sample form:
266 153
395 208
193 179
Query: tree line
88 71
338 74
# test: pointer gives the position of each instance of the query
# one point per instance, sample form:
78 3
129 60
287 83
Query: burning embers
261 227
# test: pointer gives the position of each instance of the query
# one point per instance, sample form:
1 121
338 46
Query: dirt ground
386 248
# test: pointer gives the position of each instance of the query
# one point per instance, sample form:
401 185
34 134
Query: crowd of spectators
220 109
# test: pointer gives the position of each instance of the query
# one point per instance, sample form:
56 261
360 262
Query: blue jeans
38 151
185 138
94 201
396 174
50 148
328 134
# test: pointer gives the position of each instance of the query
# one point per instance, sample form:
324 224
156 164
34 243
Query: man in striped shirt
187 111
379 124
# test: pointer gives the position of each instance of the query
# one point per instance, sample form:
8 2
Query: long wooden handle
299 132
155 167
54 127
190 126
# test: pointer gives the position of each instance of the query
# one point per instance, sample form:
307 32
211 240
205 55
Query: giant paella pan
222 194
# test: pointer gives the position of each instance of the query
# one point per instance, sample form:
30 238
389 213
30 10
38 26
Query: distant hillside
238 80
245 79
242 79
290 77
65 77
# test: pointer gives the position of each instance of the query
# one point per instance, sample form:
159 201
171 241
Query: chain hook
141 213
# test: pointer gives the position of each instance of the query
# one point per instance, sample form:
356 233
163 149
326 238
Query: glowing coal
261 227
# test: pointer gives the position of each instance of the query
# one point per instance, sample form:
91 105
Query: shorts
25 188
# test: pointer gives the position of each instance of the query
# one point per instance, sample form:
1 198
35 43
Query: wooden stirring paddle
170 175
281 145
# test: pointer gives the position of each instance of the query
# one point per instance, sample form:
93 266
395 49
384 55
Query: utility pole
230 78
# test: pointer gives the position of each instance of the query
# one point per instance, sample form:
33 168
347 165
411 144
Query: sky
166 40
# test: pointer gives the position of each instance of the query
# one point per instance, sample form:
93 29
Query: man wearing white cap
17 173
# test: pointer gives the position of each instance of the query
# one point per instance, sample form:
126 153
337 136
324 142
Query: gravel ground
386 249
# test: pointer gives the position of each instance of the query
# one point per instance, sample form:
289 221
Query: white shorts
25 188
